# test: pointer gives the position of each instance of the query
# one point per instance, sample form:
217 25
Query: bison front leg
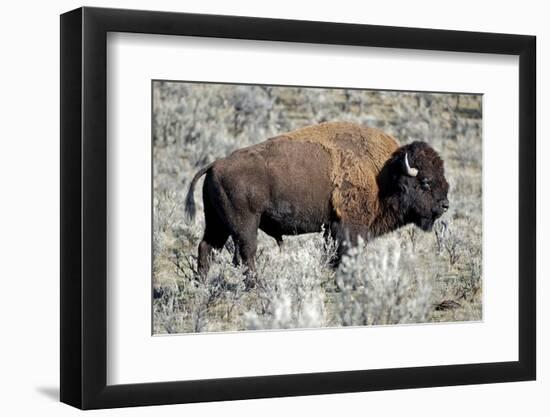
345 237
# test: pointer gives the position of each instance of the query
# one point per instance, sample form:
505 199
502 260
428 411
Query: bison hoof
249 283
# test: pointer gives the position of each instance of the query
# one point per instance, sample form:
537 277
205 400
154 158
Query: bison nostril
445 205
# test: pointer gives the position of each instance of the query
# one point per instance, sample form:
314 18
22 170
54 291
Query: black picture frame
84 207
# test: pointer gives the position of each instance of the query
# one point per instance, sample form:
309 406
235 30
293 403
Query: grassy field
408 276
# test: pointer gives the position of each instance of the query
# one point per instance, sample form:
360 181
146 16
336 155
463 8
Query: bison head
415 184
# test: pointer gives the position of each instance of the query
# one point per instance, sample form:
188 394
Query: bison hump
357 154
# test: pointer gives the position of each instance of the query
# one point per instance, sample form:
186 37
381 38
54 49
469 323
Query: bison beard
347 179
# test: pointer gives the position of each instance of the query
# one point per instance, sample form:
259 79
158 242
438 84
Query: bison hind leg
211 240
215 236
271 228
246 241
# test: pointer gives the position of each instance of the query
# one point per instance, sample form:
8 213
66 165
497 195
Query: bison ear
407 169
397 167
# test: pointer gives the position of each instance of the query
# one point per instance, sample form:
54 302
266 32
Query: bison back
285 184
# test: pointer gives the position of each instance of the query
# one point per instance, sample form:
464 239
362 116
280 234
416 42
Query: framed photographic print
257 208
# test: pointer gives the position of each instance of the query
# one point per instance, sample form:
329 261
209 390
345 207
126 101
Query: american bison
345 178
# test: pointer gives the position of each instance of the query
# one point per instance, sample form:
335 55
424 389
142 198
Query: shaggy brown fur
349 179
357 155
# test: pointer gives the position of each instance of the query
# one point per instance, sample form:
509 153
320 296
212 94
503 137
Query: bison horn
411 172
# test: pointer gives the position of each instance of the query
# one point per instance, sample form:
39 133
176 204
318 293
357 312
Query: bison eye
425 184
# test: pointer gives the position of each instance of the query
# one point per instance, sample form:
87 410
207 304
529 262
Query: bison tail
190 207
